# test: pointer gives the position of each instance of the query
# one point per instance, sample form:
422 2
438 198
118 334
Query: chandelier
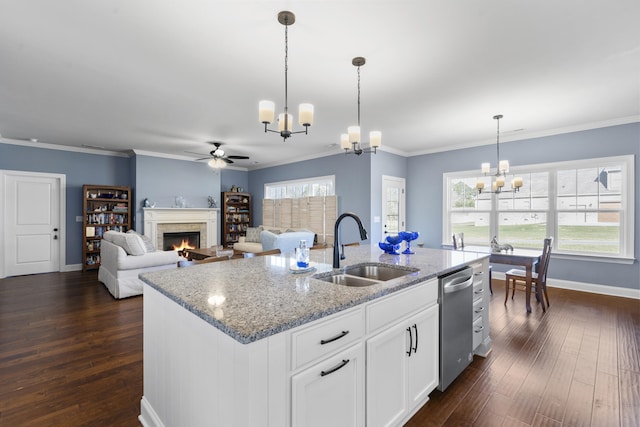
501 171
266 109
350 141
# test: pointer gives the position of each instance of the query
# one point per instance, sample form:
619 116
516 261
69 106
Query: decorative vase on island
408 236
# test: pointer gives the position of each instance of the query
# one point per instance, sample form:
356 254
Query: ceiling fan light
217 163
305 114
266 111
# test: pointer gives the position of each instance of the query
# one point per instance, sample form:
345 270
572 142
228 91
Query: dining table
527 258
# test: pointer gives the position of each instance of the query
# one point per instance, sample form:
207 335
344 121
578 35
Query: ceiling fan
219 153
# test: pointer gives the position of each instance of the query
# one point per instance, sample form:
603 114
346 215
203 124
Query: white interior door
393 205
32 217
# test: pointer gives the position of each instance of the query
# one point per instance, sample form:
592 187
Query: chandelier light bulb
266 111
344 141
354 134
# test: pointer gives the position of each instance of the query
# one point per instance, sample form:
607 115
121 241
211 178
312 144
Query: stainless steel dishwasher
456 324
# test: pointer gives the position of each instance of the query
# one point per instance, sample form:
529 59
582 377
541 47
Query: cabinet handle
337 337
410 341
332 370
415 349
479 329
479 310
479 291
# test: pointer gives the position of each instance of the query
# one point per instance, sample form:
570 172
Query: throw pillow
253 234
146 241
276 231
131 243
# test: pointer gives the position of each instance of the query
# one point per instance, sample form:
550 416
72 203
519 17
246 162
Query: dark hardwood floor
71 355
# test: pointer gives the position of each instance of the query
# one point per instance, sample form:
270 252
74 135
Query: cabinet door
387 375
423 361
331 392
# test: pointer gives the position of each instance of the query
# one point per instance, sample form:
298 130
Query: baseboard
148 417
72 267
614 291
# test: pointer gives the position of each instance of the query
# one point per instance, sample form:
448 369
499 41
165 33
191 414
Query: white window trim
627 245
312 180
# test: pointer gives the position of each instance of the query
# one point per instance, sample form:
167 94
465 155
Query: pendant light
350 142
502 169
266 109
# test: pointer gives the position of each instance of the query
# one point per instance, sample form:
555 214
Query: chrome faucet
336 249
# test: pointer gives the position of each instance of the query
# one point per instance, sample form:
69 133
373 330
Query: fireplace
201 221
179 241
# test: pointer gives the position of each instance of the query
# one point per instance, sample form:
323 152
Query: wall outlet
79 218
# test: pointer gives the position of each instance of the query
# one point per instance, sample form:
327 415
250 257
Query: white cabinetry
328 389
331 392
481 294
379 361
402 359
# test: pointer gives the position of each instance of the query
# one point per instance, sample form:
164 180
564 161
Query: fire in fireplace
181 241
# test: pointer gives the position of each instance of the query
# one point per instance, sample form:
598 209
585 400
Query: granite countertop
250 299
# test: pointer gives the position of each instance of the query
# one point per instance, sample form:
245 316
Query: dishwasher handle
457 284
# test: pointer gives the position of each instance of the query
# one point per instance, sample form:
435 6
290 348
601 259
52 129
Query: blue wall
80 169
424 188
161 180
353 176
231 177
358 185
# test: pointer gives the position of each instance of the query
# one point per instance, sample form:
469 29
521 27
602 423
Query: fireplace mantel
205 216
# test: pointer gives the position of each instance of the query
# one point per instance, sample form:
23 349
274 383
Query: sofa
265 238
123 256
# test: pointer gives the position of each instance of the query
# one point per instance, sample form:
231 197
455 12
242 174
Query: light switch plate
376 219
79 218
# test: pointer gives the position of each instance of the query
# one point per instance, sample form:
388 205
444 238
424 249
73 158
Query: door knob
55 229
55 237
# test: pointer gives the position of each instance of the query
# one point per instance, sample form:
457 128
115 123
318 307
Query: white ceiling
168 76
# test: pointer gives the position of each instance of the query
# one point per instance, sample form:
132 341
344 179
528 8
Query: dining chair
515 277
458 241
458 244
185 263
263 253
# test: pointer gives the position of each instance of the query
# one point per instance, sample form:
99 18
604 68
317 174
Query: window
317 186
586 205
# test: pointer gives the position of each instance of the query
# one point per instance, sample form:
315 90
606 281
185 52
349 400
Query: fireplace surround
158 221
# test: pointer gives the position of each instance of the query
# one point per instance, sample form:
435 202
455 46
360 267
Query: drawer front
326 336
478 309
478 328
394 307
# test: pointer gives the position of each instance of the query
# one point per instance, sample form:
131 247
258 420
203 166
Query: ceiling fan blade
238 157
226 159
203 158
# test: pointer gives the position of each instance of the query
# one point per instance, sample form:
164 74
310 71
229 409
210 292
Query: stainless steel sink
377 272
345 280
365 275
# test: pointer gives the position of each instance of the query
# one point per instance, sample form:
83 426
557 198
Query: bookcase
236 216
104 208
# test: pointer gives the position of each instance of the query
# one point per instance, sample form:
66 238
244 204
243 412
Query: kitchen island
239 342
